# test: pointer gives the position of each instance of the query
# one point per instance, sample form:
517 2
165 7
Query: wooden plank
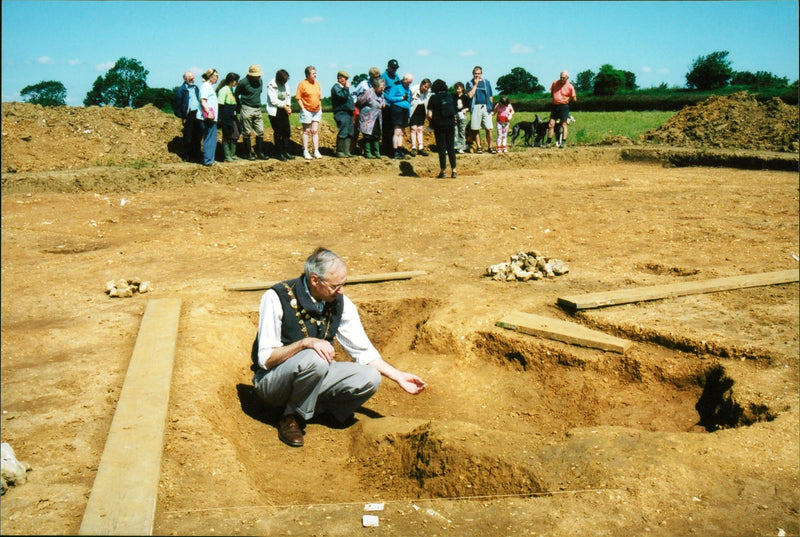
364 278
657 292
123 497
558 330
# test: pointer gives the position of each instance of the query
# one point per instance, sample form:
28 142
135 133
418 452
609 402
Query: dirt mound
37 138
735 121
65 137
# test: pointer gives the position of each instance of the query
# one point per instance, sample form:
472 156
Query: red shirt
561 92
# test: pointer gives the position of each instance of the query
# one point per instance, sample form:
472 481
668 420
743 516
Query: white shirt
351 334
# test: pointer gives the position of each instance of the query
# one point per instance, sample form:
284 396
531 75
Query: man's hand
322 347
411 383
288 110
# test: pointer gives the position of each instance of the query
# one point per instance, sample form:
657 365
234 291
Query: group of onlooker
379 109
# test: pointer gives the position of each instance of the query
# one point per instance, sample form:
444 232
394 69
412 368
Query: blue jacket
398 95
182 100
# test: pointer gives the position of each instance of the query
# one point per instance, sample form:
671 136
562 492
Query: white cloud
46 60
74 62
423 52
518 48
646 69
104 66
313 20
466 53
663 70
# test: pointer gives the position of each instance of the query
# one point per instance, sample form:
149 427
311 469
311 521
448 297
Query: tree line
125 84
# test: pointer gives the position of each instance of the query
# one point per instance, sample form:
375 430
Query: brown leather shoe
290 432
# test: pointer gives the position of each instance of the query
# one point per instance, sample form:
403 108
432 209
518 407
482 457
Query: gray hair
320 262
378 82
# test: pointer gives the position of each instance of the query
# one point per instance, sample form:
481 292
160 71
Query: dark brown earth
516 435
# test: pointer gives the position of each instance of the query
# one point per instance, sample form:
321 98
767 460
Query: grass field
593 127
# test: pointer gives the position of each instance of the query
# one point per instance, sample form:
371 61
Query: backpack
447 106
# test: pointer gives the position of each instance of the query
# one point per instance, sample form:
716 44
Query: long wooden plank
123 497
558 330
364 278
657 292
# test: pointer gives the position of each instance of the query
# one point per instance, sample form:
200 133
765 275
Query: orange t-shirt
309 95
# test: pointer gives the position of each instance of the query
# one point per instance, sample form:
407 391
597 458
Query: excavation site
670 411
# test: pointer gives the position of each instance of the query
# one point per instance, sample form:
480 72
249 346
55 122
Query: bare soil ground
515 435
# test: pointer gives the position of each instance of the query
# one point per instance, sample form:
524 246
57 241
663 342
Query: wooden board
365 278
657 292
123 497
567 332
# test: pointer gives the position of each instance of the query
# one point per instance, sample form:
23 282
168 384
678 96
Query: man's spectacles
333 288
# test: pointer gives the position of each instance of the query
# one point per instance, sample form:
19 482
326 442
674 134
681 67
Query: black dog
528 128
541 131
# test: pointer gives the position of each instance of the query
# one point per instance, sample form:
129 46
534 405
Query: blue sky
75 42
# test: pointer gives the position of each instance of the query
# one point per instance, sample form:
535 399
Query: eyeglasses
333 288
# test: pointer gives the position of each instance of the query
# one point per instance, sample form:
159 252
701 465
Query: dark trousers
388 131
192 134
445 143
281 130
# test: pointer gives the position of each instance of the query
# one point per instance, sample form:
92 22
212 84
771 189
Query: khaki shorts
481 118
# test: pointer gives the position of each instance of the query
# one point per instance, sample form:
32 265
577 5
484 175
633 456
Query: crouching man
294 353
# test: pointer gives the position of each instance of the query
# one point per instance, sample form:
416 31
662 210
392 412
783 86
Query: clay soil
515 435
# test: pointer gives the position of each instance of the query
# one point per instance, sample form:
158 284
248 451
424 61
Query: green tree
759 80
45 93
608 81
583 80
710 72
519 81
120 86
630 80
95 95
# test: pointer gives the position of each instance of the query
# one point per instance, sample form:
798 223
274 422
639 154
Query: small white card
373 507
369 521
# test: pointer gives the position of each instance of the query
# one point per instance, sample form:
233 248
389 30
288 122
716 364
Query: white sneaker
317 154
306 154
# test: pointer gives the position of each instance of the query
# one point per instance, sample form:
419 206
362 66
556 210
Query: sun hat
255 70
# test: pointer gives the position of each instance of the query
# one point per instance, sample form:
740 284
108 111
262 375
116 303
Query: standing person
279 108
187 106
248 93
563 92
231 128
462 105
309 97
442 115
398 98
504 112
392 79
372 103
209 113
480 91
294 354
420 94
343 106
355 93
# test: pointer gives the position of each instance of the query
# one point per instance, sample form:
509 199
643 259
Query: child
462 105
504 112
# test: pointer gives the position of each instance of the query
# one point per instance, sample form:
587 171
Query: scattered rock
527 266
126 288
13 472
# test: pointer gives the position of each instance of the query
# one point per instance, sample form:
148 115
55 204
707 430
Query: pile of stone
126 288
525 266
